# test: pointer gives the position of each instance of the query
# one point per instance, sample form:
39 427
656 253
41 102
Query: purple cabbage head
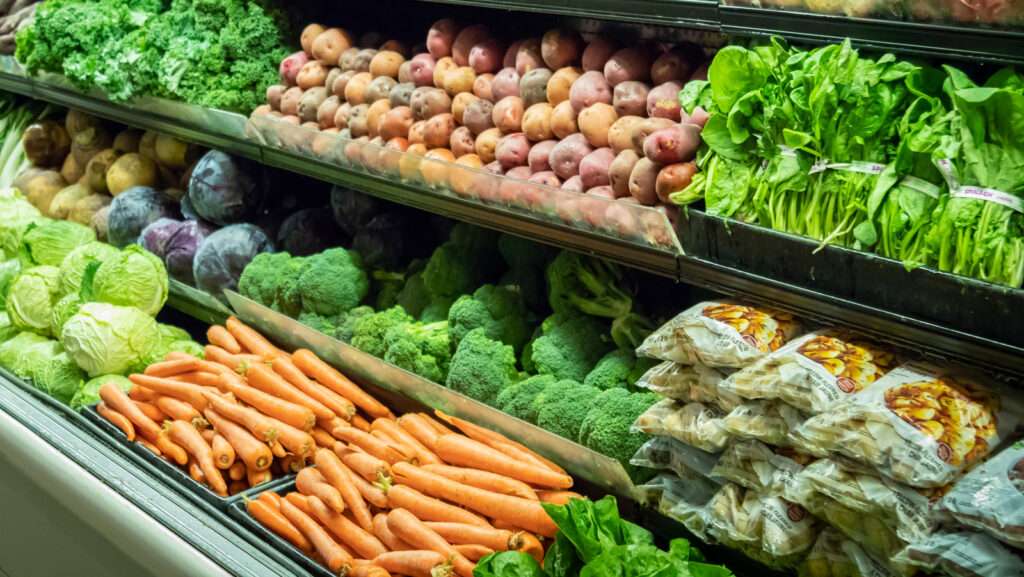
135 209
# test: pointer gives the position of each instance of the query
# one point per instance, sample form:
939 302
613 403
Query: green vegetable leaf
561 559
594 526
508 564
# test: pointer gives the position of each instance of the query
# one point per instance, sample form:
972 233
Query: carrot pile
418 495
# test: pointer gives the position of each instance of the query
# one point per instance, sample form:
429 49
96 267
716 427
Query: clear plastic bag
689 383
757 466
826 558
661 452
720 334
767 421
696 424
767 528
816 371
922 424
962 554
685 500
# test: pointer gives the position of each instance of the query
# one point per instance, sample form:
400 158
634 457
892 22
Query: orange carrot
532 547
429 508
290 464
140 394
463 451
274 520
250 339
170 368
506 526
414 563
269 429
484 480
219 336
315 368
195 470
363 568
232 362
463 534
208 434
236 472
184 434
342 479
115 399
364 464
557 497
473 552
265 379
419 428
272 499
180 356
438 426
300 501
255 477
333 555
372 492
176 409
151 411
337 403
380 529
201 378
223 452
277 449
368 443
408 452
524 512
311 482
408 528
360 423
120 421
500 442
287 412
361 541
191 394
236 487
148 445
255 454
322 437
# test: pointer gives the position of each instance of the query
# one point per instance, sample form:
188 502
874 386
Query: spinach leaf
508 564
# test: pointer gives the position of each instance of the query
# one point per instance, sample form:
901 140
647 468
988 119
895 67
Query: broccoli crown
414 296
521 253
346 323
630 330
370 330
437 310
517 399
562 407
384 289
498 310
607 427
332 282
569 345
464 262
587 285
419 348
271 279
482 367
406 355
326 325
619 368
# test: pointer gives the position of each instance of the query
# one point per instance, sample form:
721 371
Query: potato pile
589 117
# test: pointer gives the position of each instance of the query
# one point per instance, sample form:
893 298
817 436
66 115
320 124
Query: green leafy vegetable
508 564
104 338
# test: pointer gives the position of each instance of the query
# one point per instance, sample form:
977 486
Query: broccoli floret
481 367
630 330
517 399
346 323
326 325
414 296
570 345
606 427
521 253
370 330
419 348
271 279
437 310
332 282
499 311
618 369
587 285
562 407
464 262
384 289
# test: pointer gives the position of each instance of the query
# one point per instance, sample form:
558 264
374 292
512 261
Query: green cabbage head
108 339
9 270
7 330
72 268
16 214
89 392
67 307
26 352
59 377
31 298
134 278
50 243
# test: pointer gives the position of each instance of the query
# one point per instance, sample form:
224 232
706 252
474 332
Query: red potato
290 101
422 69
405 72
594 204
466 39
441 69
396 46
620 219
441 37
513 150
698 117
409 164
459 80
529 56
486 56
341 82
386 63
508 114
274 94
538 159
355 89
563 120
642 130
488 186
595 121
396 123
341 116
567 206
377 111
416 133
462 142
363 59
328 46
561 83
379 89
509 61
673 144
533 86
573 183
673 178
347 61
630 98
566 156
309 34
462 101
262 110
597 53
357 120
401 94
547 178
313 73
589 89
487 144
620 135
621 169
290 67
505 84
478 116
494 168
328 109
428 102
701 73
663 101
537 122
513 186
482 87
643 181
465 182
536 198
561 48
438 131
633 63
435 171
595 166
676 64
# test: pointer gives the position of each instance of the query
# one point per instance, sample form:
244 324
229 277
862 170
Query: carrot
364 464
459 450
151 411
191 394
250 339
440 428
201 378
369 443
532 547
505 526
184 434
208 434
429 508
334 556
311 482
236 472
115 399
255 454
414 563
176 409
300 501
272 499
325 374
195 470
381 531
234 363
171 368
343 480
408 528
524 512
140 394
148 445
372 492
337 403
255 478
463 534
118 420
265 379
499 442
223 452
180 356
473 552
421 430
219 336
322 437
236 487
557 497
269 429
360 540
366 569
412 451
297 416
484 480
291 464
360 423
272 518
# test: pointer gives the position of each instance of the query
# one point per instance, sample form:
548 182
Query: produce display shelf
688 13
196 303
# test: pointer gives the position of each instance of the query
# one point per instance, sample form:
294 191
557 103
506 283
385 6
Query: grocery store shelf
688 13
196 303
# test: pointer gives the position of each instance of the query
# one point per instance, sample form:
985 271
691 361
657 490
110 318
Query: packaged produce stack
830 449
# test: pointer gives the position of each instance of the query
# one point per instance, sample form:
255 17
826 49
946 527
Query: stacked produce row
825 451
998 14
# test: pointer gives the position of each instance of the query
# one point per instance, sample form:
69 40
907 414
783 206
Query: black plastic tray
952 301
174 475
